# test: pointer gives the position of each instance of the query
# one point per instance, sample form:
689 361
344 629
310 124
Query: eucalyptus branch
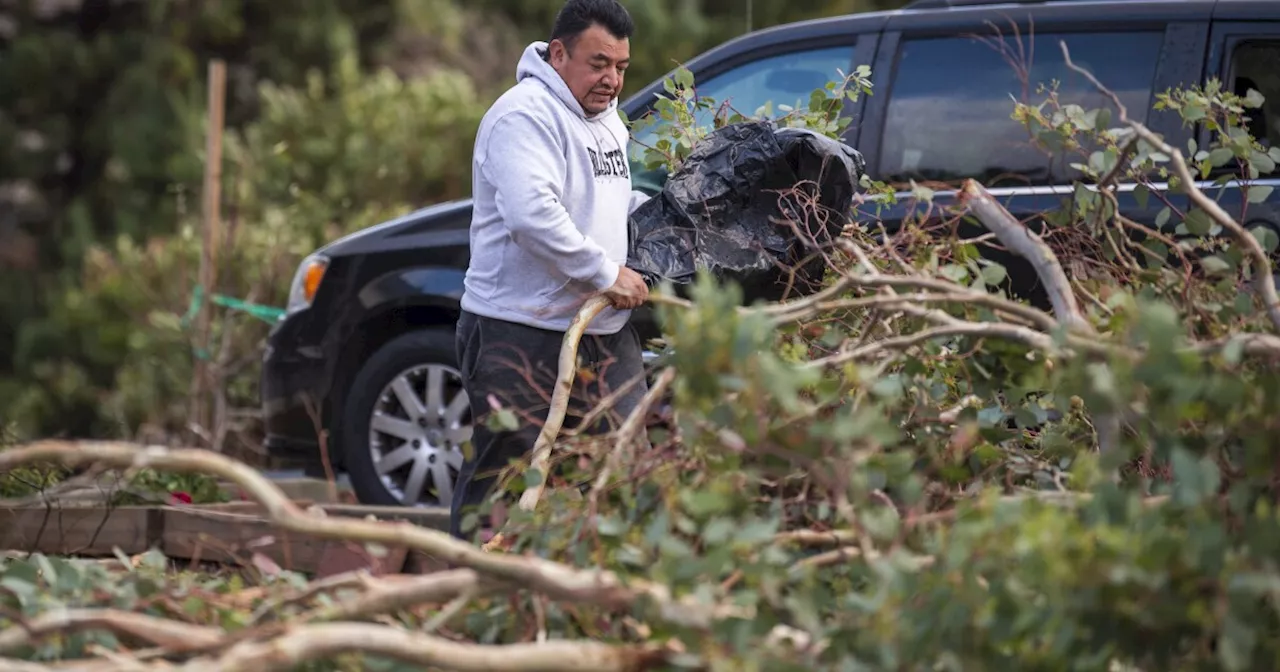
315 642
1262 276
153 630
1021 241
560 395
602 588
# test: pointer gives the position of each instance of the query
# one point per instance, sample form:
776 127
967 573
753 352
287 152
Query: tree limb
1021 241
599 587
385 597
150 629
323 641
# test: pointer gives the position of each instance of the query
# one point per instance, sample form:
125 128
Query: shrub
313 167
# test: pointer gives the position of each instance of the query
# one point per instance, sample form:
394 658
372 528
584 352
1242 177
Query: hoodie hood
532 64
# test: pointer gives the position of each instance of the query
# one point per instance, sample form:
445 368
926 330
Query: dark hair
578 15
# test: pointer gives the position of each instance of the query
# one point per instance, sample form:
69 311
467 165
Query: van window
781 79
948 115
1255 64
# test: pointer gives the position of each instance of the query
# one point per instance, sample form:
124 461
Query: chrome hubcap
416 433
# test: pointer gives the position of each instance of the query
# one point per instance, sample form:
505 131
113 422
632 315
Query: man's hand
628 291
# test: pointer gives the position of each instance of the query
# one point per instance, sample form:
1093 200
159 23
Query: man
552 193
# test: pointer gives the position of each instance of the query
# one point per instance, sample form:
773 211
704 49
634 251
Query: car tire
411 444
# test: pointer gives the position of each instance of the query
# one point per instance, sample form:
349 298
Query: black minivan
367 342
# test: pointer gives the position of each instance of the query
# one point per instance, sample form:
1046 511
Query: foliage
312 167
318 144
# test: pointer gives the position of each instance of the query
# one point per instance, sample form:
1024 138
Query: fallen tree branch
323 641
562 582
1010 332
385 597
141 627
1021 241
560 396
1263 282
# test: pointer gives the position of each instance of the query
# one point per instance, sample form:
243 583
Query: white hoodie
552 191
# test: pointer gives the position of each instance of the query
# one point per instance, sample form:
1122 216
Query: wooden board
223 534
227 533
73 530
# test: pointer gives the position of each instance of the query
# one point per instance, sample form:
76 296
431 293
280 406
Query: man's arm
527 168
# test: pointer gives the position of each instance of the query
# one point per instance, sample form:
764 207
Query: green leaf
1215 265
1254 98
1244 303
994 274
1198 222
1262 162
954 272
1195 479
1162 217
719 530
1141 193
1237 642
610 526
704 503
1259 193
1266 236
684 77
1220 156
503 420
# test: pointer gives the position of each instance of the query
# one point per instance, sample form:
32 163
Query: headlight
306 280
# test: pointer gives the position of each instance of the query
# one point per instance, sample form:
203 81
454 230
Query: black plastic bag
718 211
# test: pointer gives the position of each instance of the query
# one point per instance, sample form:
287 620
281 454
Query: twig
353 579
604 406
816 538
387 596
449 611
1011 332
847 553
633 425
208 249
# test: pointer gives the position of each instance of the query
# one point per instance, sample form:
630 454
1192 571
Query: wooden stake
212 194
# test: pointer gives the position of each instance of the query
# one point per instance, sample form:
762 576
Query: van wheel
405 422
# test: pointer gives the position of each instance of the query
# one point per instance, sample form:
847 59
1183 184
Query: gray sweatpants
516 365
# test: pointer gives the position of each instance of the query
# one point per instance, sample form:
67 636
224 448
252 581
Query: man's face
594 68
